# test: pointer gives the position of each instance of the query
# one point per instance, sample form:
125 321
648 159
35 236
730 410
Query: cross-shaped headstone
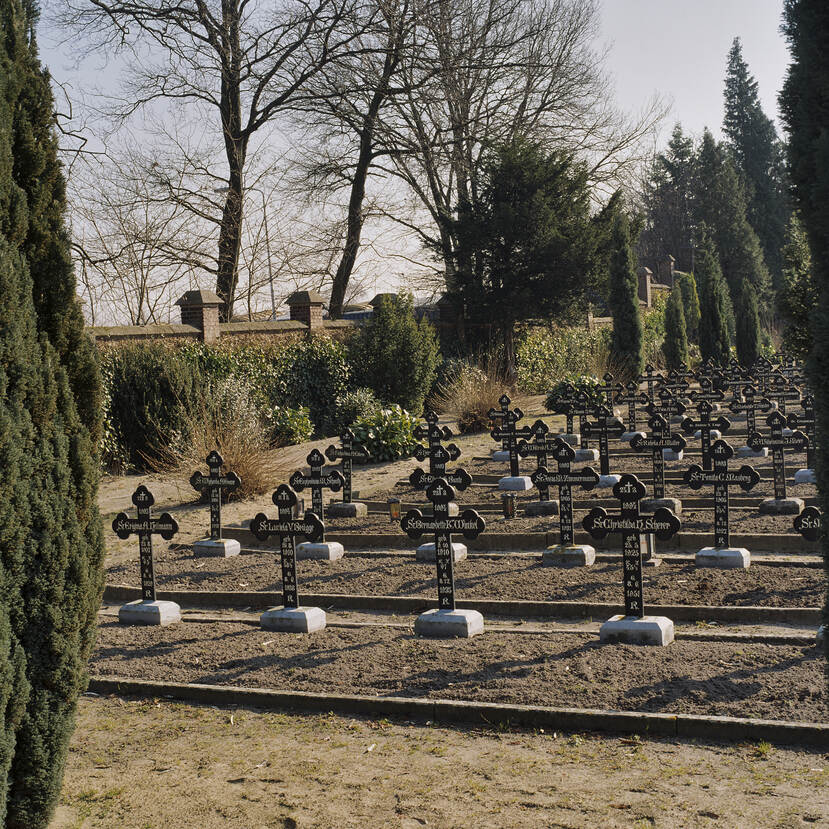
565 479
809 523
468 523
778 443
750 405
705 423
602 428
145 527
539 447
651 378
432 431
761 371
806 422
660 438
706 391
632 526
348 451
721 479
675 383
633 397
438 458
502 415
780 390
287 528
316 481
665 405
509 434
214 483
610 390
582 408
565 405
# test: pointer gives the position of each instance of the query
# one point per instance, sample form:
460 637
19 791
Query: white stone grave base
671 455
149 613
221 548
787 432
628 630
782 506
541 508
748 452
820 638
627 437
572 439
805 476
607 481
653 504
500 455
586 455
569 555
293 619
515 483
446 624
715 434
321 550
346 510
426 552
723 558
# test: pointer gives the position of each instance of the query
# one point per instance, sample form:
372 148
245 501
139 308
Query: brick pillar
306 307
201 310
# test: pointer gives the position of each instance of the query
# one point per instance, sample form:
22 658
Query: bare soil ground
514 577
746 680
144 763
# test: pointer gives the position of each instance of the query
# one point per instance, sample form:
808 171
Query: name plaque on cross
347 452
316 481
214 483
538 448
502 414
509 434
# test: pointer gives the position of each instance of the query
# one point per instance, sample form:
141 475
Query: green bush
354 405
151 389
589 384
388 434
287 426
546 355
396 356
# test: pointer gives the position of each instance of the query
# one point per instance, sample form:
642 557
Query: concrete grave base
320 550
781 506
627 437
671 455
820 638
220 548
293 619
607 481
586 455
500 455
748 452
723 558
426 552
630 630
651 561
715 434
653 504
805 476
447 624
541 508
787 432
515 483
149 613
572 439
346 510
570 555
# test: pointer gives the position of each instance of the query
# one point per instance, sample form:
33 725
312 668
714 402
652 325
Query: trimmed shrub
396 356
623 299
690 304
354 405
387 434
287 426
675 346
546 355
589 384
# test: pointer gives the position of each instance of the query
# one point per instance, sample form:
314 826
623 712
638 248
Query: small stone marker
749 405
508 433
566 553
214 483
722 555
634 627
631 396
661 438
602 428
147 610
704 426
347 452
290 618
778 443
806 422
539 447
316 481
447 620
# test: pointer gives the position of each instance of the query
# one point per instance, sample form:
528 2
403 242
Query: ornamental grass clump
469 392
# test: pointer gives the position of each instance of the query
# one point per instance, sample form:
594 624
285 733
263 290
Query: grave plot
750 680
510 576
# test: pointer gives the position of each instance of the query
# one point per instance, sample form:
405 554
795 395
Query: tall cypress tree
797 302
748 326
714 301
690 304
62 548
675 347
804 104
623 298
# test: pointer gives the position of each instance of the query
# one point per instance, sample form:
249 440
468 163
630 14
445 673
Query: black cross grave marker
632 526
806 422
438 458
660 438
675 383
509 434
468 523
214 483
287 528
761 371
566 405
705 423
316 481
665 405
503 415
778 443
809 523
780 390
602 428
721 479
652 379
750 405
539 448
565 479
632 396
348 451
610 390
707 392
582 408
145 526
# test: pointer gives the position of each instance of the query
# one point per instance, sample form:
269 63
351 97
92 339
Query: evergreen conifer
798 300
690 304
748 326
714 338
675 346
